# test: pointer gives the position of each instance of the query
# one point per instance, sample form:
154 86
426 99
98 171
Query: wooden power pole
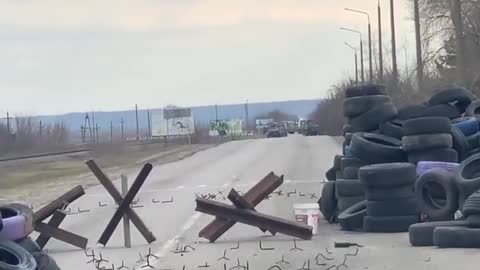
418 40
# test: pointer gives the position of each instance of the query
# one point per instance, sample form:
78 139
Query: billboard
172 126
226 127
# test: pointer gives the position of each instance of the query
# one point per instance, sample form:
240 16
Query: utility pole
246 115
40 130
121 123
459 42
95 136
111 131
361 51
8 124
136 119
380 45
370 60
216 113
419 45
149 133
356 62
394 45
96 132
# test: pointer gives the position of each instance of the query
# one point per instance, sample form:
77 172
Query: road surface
239 164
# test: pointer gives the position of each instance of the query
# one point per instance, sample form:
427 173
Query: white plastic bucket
309 214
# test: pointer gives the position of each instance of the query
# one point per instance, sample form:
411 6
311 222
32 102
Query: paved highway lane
239 164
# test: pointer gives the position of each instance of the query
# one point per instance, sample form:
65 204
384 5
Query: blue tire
348 152
467 125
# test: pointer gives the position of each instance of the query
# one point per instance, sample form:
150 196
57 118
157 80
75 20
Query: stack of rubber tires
391 205
468 127
349 191
428 139
328 201
17 250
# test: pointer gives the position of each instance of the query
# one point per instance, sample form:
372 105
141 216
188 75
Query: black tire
350 162
410 112
427 125
474 141
453 95
331 174
467 177
387 175
45 261
426 141
473 109
350 173
473 221
439 154
14 257
392 129
388 224
356 106
456 237
348 138
421 234
345 202
372 119
28 244
365 90
467 125
352 218
472 205
426 203
443 110
336 161
346 129
386 194
460 143
328 202
338 174
393 208
376 148
348 188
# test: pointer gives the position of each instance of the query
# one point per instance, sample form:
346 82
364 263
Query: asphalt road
239 164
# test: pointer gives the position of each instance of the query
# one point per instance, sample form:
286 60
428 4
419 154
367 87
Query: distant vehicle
291 126
308 128
275 130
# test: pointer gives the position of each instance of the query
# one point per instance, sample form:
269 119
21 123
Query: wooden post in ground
126 221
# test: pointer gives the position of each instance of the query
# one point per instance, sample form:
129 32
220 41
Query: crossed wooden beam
123 202
51 229
243 211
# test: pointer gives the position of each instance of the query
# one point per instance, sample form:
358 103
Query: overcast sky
60 56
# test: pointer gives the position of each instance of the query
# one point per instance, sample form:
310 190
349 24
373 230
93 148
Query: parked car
275 130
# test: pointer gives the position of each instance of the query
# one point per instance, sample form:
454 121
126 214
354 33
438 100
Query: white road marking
201 186
180 187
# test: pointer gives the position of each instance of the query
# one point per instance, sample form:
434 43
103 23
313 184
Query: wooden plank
112 190
62 235
50 208
253 218
125 204
54 222
126 221
253 197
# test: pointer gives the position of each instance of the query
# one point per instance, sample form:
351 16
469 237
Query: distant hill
201 114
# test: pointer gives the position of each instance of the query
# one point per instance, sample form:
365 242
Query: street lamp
361 50
369 39
356 62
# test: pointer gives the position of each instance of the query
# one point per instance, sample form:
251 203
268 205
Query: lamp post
361 50
380 45
356 62
370 64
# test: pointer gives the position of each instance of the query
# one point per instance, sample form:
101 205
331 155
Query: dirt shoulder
40 180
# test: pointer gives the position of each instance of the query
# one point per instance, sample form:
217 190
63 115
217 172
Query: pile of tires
428 139
391 205
328 201
17 250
